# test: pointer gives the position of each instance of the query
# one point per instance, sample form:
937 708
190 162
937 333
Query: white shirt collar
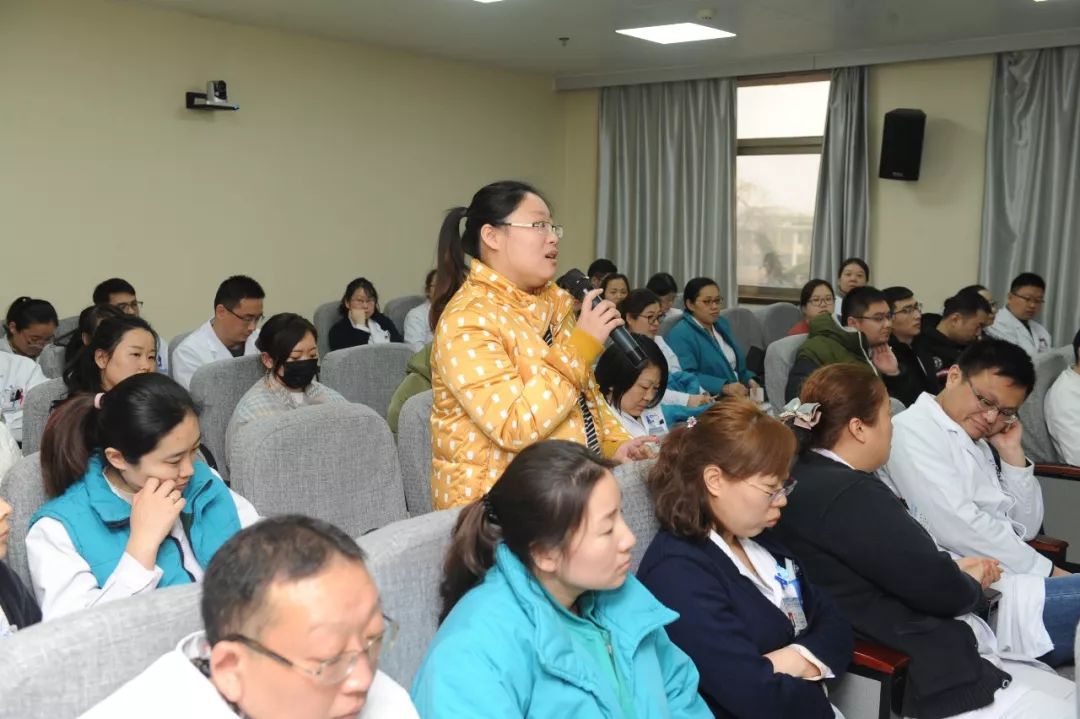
833 456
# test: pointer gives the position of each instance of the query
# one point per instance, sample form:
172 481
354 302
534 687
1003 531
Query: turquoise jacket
700 355
505 652
99 522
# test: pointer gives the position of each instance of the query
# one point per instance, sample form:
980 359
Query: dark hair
973 288
26 311
89 319
601 268
133 418
854 261
694 287
1027 279
858 301
287 548
845 392
896 294
537 503
966 304
491 205
82 374
280 334
110 287
1076 348
360 283
662 284
1001 358
734 435
615 375
808 291
235 290
429 278
611 277
636 302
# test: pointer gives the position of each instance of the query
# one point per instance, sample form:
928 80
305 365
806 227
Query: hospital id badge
655 424
792 607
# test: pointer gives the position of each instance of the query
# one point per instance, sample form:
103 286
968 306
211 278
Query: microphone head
576 283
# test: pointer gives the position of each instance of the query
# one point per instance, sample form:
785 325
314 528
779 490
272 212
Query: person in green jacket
417 380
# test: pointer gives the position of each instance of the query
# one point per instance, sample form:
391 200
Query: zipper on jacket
180 551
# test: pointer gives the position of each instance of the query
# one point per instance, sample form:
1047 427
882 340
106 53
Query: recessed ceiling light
678 32
487 1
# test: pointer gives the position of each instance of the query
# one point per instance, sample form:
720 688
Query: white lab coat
1062 411
17 375
9 453
672 396
417 330
203 347
1034 338
651 423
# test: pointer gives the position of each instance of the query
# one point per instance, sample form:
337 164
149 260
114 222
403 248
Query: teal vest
99 522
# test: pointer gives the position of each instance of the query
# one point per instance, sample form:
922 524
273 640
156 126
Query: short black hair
1027 279
636 302
1076 347
973 288
858 301
966 304
280 334
287 548
1001 357
896 294
808 291
601 268
112 286
611 277
662 283
854 261
615 375
236 289
695 286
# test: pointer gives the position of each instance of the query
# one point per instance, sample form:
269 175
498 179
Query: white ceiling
772 35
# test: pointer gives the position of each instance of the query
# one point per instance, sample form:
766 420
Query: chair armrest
1052 548
1058 471
878 657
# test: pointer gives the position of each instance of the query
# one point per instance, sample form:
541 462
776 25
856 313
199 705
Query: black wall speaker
901 144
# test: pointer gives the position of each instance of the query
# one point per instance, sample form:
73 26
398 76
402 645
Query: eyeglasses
712 303
129 307
651 319
248 319
822 301
909 310
1037 301
886 317
543 227
38 340
1007 414
774 495
336 669
362 301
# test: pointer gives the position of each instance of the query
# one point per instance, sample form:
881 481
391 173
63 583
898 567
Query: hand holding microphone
600 318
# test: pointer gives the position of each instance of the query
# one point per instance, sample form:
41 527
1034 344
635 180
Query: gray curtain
841 213
1031 208
666 199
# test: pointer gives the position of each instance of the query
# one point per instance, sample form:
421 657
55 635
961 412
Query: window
781 127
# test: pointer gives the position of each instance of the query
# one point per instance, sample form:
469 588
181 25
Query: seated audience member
417 380
705 345
89 319
815 299
361 321
861 338
418 319
541 616
916 373
132 508
633 393
615 288
18 609
641 310
119 293
1017 323
17 375
30 325
288 350
231 332
120 347
1062 410
854 273
664 286
719 487
600 269
962 322
958 462
985 294
293 629
885 571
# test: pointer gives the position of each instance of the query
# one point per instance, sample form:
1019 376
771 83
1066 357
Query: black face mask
299 374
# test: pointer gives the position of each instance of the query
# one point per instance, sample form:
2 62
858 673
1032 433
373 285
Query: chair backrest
1036 439
336 462
779 359
746 327
36 408
173 344
324 318
667 323
51 360
93 652
24 490
776 319
67 325
369 374
414 452
638 510
397 308
217 388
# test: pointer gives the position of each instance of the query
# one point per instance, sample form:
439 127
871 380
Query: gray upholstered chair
173 344
51 360
217 388
67 325
668 322
336 462
36 409
746 327
776 319
1036 440
64 667
369 374
779 359
324 318
414 452
24 490
397 308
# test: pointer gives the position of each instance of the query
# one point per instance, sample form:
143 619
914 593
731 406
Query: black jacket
857 541
941 351
343 334
914 376
16 600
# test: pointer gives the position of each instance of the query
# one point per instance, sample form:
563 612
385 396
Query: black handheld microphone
577 284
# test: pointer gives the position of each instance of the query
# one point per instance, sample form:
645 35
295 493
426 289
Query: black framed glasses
909 310
247 319
1008 414
1037 301
542 226
774 495
884 317
132 307
822 301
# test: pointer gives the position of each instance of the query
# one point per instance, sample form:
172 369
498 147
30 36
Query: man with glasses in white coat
1017 322
231 332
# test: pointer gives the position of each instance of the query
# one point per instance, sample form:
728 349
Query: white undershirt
378 334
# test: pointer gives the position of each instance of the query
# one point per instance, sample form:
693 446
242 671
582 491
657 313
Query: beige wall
577 211
339 163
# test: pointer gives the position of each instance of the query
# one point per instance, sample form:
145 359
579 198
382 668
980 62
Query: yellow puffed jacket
498 387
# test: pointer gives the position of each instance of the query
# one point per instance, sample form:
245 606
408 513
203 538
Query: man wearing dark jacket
962 322
914 378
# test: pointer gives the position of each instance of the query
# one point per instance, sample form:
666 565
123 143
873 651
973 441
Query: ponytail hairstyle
133 418
81 373
491 205
537 503
79 337
26 311
734 435
844 392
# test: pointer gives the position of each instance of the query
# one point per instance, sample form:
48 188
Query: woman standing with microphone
509 364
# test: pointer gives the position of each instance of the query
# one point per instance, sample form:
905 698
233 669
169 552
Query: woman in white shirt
132 507
418 320
633 393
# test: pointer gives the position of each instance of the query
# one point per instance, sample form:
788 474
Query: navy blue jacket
727 626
